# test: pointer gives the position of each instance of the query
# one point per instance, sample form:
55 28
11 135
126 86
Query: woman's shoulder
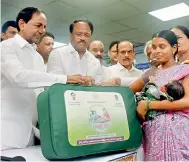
150 72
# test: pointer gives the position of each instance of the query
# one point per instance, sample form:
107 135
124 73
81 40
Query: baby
171 91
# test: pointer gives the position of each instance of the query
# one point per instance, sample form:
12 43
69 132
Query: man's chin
35 40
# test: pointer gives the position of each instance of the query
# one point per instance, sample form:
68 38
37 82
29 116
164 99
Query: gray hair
148 44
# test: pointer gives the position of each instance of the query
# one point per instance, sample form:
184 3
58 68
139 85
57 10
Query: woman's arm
137 85
165 104
174 105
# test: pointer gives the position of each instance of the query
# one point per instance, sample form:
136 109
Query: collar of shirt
71 49
22 42
120 67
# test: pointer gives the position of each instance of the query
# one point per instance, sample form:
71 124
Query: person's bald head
97 49
126 53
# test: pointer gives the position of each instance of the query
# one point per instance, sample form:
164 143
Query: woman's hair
169 36
183 29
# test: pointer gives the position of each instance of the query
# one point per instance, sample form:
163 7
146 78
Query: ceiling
112 19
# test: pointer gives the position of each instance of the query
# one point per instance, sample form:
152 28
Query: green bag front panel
54 127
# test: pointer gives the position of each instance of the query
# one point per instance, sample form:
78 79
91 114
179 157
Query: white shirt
106 75
66 61
126 76
22 70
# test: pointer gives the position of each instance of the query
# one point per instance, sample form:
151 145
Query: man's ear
21 24
3 35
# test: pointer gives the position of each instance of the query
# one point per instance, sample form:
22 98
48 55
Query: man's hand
112 82
89 80
76 79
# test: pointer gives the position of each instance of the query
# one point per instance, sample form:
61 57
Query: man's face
97 49
45 47
34 29
151 56
113 53
10 32
126 54
81 36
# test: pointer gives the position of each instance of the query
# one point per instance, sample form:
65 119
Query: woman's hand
142 110
186 62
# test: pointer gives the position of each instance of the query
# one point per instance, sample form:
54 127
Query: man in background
96 47
45 46
8 30
150 55
112 53
123 73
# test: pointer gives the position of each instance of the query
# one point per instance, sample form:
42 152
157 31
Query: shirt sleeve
126 81
54 64
13 69
99 73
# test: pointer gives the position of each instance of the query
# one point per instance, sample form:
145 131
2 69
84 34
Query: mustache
153 60
99 57
82 42
126 59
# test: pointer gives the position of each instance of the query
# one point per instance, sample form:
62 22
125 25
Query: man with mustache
123 73
96 47
75 58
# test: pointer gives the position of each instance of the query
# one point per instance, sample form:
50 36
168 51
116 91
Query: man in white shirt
22 71
45 46
124 71
75 58
96 47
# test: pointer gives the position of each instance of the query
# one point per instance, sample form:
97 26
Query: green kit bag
76 121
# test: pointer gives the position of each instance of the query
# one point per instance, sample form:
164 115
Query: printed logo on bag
99 118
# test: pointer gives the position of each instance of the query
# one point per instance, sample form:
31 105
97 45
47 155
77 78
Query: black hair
125 41
26 14
81 20
7 24
175 90
112 44
47 34
183 29
169 36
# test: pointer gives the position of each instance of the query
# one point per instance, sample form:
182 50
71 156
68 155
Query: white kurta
21 71
66 61
126 76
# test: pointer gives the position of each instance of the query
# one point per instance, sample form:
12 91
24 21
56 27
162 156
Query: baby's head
175 90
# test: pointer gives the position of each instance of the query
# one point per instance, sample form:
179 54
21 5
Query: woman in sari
166 137
182 34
